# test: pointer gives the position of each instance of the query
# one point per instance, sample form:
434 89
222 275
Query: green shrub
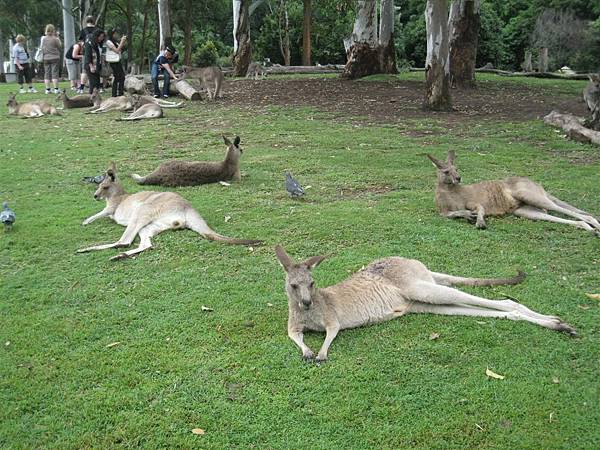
206 55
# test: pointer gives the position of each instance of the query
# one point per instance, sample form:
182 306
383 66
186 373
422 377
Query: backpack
69 54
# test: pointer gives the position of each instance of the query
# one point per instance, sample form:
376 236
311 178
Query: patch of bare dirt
394 101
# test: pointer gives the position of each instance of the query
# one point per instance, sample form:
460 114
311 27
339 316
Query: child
21 58
162 64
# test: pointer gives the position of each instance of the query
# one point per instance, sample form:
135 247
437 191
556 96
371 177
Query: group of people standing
84 59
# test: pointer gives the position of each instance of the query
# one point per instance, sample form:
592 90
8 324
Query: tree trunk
68 23
95 8
463 26
164 23
284 37
186 90
130 54
143 43
543 60
243 54
237 7
2 74
574 128
306 41
527 66
387 51
363 54
437 65
187 34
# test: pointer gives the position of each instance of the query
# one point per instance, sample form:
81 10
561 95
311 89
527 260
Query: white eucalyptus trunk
164 23
243 55
236 18
363 54
68 26
437 63
387 50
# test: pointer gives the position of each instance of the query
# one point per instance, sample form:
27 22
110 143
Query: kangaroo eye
294 286
105 187
312 283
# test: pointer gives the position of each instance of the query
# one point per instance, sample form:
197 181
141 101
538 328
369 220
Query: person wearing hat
162 64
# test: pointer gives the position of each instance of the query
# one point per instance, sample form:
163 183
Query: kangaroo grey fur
144 99
519 196
79 101
144 111
591 97
121 103
256 71
148 214
30 110
386 289
192 173
209 77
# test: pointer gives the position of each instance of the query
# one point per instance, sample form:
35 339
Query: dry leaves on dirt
491 374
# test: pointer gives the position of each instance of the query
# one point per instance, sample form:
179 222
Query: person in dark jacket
90 27
92 64
114 48
163 64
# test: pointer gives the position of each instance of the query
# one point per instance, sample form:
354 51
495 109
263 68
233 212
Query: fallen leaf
491 374
434 336
198 431
112 344
594 296
227 219
555 380
551 417
584 307
270 304
7 343
250 249
307 187
206 308
480 323
224 183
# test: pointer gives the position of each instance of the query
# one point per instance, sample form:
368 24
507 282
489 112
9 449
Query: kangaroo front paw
308 355
480 224
321 357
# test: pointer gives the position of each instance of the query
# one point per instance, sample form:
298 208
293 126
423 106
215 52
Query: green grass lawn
233 372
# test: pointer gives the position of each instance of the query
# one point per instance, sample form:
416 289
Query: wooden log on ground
135 85
573 126
330 68
506 73
185 89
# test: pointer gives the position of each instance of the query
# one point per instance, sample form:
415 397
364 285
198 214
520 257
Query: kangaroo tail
220 238
450 280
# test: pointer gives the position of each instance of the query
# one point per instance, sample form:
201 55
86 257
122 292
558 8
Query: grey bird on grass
292 186
94 180
7 216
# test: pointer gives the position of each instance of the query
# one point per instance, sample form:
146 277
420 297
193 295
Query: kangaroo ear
227 141
236 141
112 171
436 162
314 261
285 261
451 157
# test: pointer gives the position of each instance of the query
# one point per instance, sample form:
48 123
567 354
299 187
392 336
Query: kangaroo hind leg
146 235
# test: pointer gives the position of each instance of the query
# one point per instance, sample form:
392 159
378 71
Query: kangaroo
30 109
148 214
519 196
79 101
256 71
144 99
121 103
144 111
192 173
207 76
591 97
386 289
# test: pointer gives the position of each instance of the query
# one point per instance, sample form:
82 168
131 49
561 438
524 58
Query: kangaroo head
12 100
299 283
96 99
109 187
446 171
595 79
233 148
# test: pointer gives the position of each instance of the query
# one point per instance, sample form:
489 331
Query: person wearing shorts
21 58
51 49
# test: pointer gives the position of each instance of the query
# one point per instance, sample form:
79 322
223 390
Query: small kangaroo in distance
519 196
30 110
256 71
148 214
386 289
208 76
193 173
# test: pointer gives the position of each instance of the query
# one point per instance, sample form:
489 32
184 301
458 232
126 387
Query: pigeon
292 186
95 180
7 216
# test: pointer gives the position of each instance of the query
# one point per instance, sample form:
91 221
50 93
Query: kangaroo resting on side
208 76
144 99
148 214
29 109
386 289
79 101
144 111
121 103
192 173
515 195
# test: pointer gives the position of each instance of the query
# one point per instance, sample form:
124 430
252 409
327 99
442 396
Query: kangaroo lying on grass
192 173
148 214
121 103
29 109
515 195
208 76
145 99
386 289
591 97
144 111
79 101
